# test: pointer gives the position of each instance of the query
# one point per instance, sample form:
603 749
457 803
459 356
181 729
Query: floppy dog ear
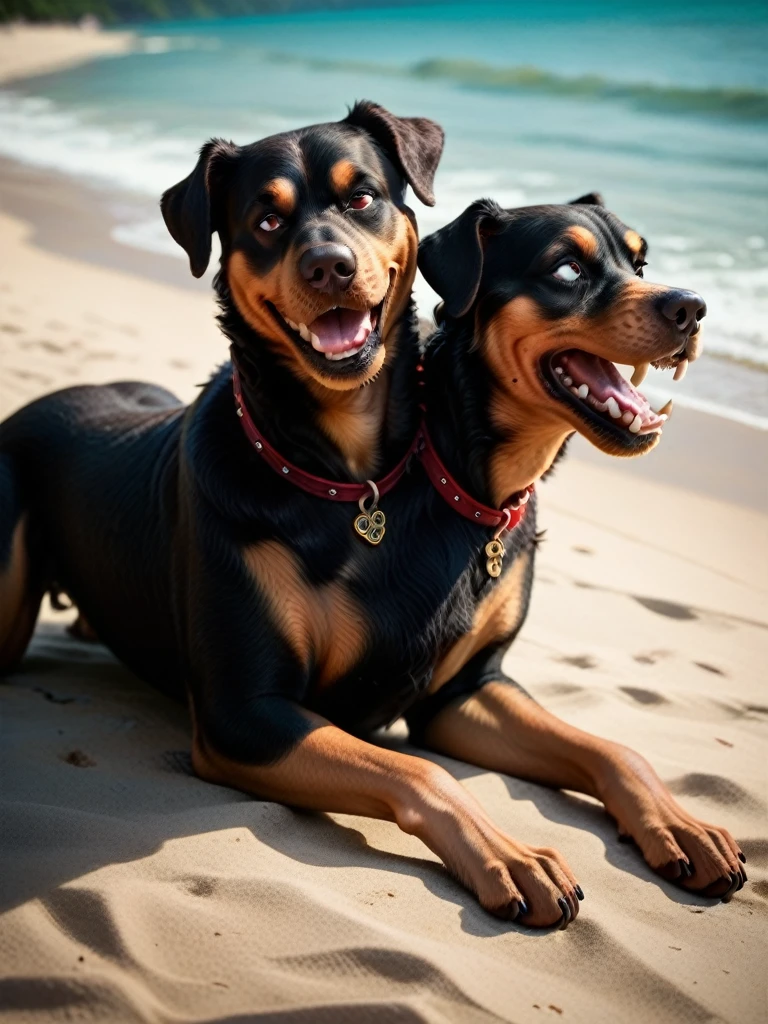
415 144
451 259
590 199
192 209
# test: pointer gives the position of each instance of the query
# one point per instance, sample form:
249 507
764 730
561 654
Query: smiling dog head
558 296
318 246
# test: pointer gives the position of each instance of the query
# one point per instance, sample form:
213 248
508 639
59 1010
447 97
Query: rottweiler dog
271 558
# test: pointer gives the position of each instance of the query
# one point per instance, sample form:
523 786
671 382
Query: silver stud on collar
456 497
443 480
258 445
477 515
239 412
286 470
332 491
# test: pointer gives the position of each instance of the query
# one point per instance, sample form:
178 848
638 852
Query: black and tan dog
188 545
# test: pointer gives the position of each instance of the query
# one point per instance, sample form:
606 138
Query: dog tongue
601 376
341 329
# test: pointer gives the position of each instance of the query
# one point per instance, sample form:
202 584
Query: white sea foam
37 132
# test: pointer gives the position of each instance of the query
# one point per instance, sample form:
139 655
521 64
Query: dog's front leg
327 769
501 728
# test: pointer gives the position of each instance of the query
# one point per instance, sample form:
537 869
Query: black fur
142 509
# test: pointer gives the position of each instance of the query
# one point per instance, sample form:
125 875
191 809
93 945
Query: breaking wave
715 101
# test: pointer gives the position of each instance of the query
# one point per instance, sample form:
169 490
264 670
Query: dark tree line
112 11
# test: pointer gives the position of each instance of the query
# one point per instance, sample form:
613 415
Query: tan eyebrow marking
343 174
585 240
634 242
282 192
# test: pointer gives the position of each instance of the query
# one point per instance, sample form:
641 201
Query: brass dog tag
494 549
371 525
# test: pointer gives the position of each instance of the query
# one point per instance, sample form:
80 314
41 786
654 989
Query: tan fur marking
343 175
513 343
584 239
249 292
352 420
322 624
283 194
634 242
18 606
495 618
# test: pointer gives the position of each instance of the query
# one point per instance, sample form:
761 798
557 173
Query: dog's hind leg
20 588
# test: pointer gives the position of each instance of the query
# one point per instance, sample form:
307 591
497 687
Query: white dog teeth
291 324
335 356
680 369
613 408
666 409
558 369
641 372
314 339
635 425
627 417
582 391
304 332
567 381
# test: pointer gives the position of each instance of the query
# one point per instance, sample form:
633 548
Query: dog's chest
398 620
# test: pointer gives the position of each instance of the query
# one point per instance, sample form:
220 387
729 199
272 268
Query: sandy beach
39 49
131 891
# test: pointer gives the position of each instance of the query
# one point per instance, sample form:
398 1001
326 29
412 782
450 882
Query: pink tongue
602 378
341 329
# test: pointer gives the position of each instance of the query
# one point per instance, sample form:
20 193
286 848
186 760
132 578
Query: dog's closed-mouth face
318 247
559 299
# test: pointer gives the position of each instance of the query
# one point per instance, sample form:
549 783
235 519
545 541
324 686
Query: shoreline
701 451
29 50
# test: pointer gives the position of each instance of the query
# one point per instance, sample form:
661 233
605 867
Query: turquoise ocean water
662 107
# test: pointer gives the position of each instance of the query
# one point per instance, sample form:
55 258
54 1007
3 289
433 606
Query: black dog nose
328 267
683 308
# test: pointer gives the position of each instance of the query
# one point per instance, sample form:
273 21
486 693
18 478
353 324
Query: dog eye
271 222
567 272
360 201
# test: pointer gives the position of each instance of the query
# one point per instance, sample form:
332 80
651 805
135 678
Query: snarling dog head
318 247
558 296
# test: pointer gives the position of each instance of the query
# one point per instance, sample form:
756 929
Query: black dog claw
685 871
523 908
742 858
579 892
735 886
563 904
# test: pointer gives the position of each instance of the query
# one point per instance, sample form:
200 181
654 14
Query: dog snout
684 309
328 267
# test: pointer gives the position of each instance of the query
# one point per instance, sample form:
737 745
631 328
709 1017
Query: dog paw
700 857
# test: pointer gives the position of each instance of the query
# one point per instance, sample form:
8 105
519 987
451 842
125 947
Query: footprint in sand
578 660
715 788
54 347
641 696
670 609
30 375
651 657
710 668
202 887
